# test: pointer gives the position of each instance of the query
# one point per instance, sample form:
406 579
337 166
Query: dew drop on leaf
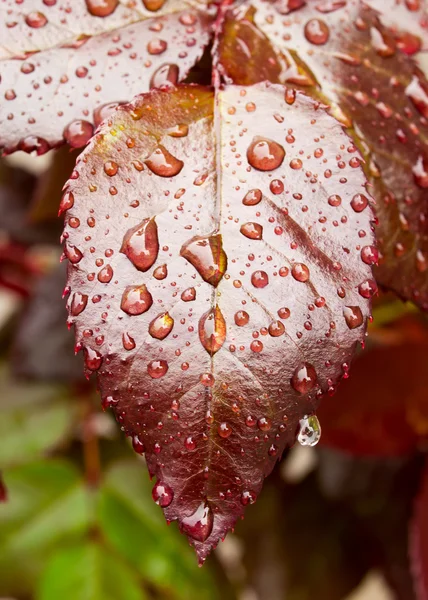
353 316
199 524
265 155
212 330
136 300
304 378
310 431
162 494
141 244
163 163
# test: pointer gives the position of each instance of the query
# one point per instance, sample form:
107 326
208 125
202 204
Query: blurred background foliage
78 522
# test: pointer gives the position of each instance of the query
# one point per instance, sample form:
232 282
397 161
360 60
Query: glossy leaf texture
408 19
419 541
341 52
382 410
73 68
218 283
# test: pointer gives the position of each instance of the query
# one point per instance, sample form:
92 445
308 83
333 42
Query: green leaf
88 572
136 528
47 504
34 418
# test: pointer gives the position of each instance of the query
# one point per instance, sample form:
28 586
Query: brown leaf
72 69
218 284
341 52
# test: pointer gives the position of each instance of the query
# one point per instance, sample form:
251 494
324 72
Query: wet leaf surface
341 52
383 409
216 305
88 64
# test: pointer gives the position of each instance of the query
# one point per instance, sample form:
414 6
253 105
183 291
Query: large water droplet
300 272
253 231
189 295
78 133
163 163
161 326
153 5
166 75
420 172
317 32
199 524
101 8
141 244
128 342
241 318
162 494
304 378
136 300
252 198
206 254
259 279
78 303
310 431
359 202
93 359
212 330
264 154
36 20
353 316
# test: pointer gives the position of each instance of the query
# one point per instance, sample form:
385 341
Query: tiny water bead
304 378
248 497
310 431
199 524
224 430
264 154
162 494
141 244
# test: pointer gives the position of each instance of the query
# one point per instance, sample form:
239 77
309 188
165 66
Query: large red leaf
339 50
419 541
383 409
87 63
219 284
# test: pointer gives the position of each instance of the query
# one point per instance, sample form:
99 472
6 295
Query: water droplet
160 272
296 164
264 424
207 379
136 300
248 497
264 154
153 5
300 272
317 32
110 168
369 255
420 172
253 231
156 46
256 346
78 303
157 368
106 274
36 20
138 445
128 342
163 163
166 75
276 329
241 318
383 46
78 133
206 254
189 295
101 8
335 200
103 112
161 326
162 494
310 431
212 330
199 524
353 316
304 378
35 144
259 279
224 430
276 186
179 131
93 359
368 288
418 94
359 202
141 244
73 254
252 198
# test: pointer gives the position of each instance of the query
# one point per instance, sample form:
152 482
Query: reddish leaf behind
419 541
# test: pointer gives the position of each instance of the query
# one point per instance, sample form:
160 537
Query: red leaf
419 541
382 410
70 73
342 51
227 312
